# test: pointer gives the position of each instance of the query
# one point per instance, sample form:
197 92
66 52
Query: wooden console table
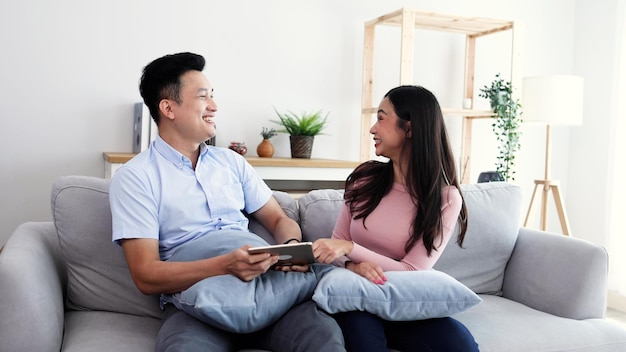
279 173
113 161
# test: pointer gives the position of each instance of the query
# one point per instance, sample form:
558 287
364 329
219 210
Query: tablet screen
300 253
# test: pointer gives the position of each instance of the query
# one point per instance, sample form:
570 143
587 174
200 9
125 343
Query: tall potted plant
302 130
506 124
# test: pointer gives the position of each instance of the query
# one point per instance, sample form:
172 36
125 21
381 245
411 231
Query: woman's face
389 139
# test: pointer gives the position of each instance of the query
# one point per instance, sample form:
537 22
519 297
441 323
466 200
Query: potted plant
506 124
265 149
302 130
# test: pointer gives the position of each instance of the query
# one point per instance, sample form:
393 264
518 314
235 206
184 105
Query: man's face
194 115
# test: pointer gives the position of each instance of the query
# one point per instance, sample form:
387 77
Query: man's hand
247 266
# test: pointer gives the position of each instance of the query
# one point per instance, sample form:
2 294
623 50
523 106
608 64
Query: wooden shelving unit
409 20
286 174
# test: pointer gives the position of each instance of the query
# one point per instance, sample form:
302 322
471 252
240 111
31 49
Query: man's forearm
287 229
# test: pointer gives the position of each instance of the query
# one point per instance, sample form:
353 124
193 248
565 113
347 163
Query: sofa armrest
556 274
32 281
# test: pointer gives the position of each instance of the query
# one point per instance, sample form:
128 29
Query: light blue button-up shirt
158 195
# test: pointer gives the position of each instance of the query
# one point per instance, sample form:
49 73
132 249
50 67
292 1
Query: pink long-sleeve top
388 228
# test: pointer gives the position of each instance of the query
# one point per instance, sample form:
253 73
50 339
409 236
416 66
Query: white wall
70 69
592 149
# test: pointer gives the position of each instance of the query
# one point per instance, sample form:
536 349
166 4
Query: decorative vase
301 146
265 149
238 147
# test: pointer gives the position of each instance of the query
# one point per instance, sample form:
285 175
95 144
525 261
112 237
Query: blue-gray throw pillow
228 303
406 295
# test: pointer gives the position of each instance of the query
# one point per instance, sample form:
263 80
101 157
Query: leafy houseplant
305 124
506 125
301 129
265 149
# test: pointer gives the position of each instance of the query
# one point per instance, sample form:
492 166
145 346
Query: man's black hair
161 79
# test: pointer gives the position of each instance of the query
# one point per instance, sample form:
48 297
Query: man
180 189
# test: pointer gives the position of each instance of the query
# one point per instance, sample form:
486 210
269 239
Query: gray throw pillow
231 304
318 213
97 274
494 212
406 295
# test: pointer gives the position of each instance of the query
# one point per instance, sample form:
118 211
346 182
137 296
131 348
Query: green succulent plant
305 124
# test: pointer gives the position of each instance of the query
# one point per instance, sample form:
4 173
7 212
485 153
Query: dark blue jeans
304 328
365 332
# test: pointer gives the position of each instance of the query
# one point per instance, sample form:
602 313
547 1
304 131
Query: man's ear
165 107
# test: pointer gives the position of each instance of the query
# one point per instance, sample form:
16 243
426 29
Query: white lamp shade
554 100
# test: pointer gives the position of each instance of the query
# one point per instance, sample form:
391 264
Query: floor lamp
555 101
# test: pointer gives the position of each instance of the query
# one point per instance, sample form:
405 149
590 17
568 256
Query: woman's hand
370 271
298 268
326 250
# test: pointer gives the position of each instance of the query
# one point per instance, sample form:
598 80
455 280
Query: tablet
300 253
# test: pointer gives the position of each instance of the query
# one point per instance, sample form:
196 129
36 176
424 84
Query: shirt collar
174 156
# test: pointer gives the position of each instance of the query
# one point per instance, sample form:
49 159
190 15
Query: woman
400 215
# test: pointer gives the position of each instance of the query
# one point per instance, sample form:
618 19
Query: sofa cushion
289 205
406 295
228 303
106 331
318 211
499 324
98 276
494 218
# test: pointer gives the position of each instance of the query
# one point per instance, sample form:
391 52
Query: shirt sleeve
133 207
255 190
342 231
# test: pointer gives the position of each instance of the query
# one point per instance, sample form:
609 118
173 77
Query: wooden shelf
408 20
120 158
295 162
446 111
474 26
117 158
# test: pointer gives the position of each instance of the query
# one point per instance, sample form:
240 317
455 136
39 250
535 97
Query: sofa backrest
494 217
290 207
97 274
99 279
318 212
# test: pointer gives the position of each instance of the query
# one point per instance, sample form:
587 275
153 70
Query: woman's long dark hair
431 165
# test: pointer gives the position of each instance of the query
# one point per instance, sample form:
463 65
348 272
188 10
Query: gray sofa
65 287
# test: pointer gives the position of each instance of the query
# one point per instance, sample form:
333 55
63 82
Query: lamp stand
548 185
